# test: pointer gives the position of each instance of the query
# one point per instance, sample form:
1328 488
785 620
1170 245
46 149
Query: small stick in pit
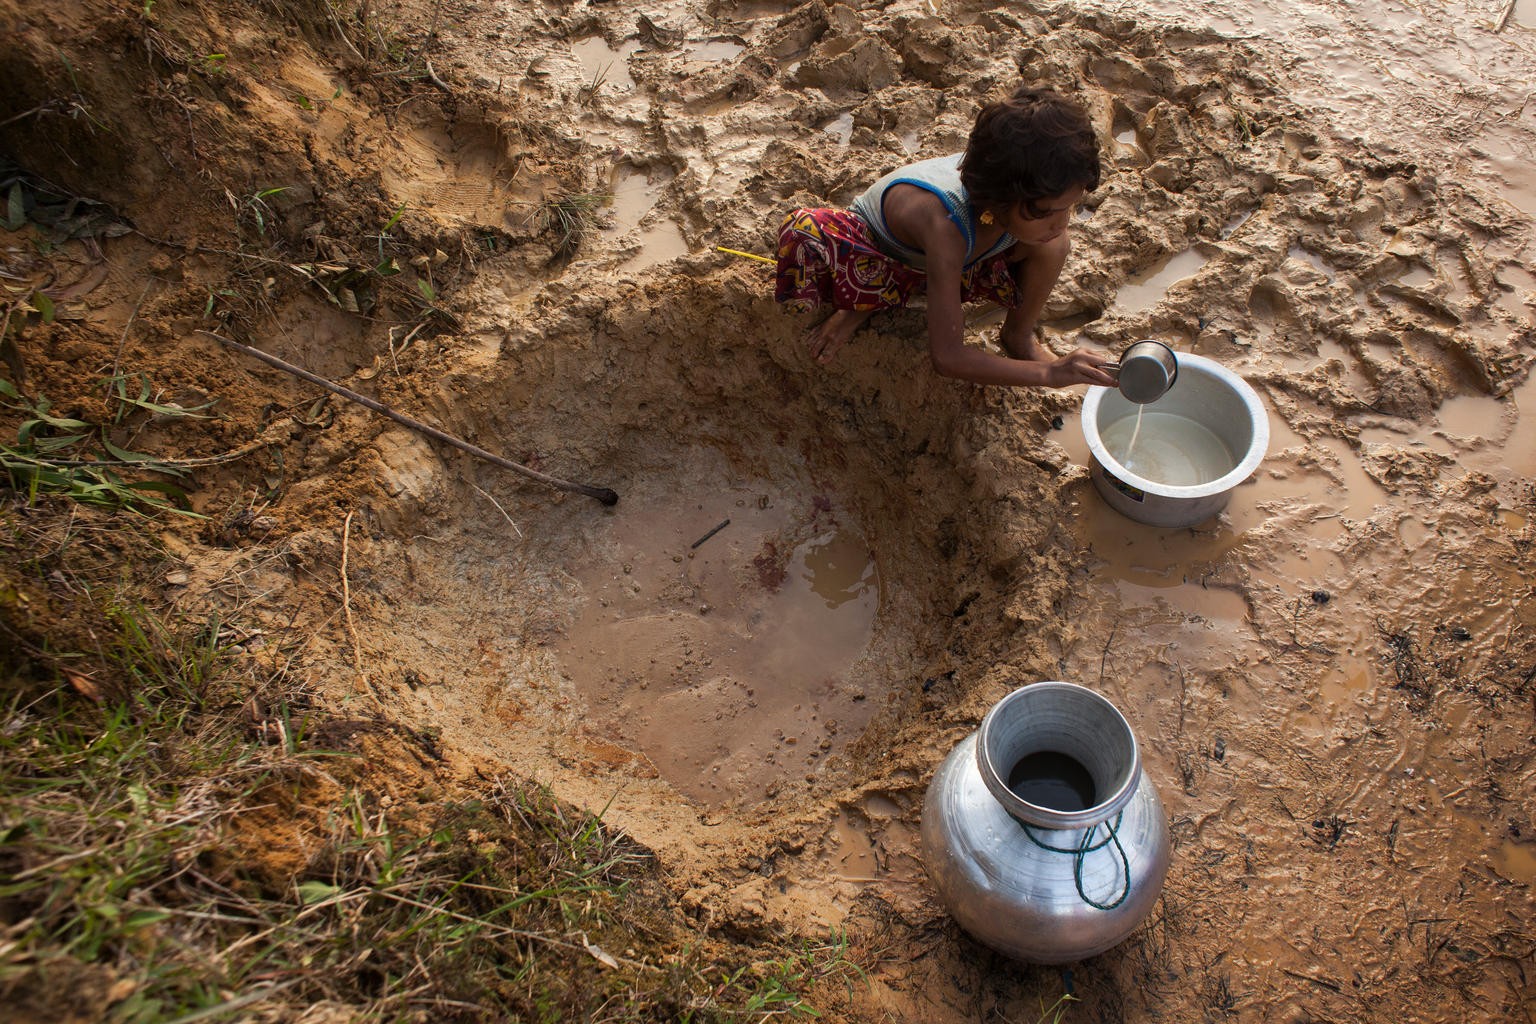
723 524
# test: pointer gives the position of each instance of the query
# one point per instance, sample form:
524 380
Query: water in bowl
1168 448
1130 446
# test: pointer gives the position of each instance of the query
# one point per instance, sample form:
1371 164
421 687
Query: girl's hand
1082 366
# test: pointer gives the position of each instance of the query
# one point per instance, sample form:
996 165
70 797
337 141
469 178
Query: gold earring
986 217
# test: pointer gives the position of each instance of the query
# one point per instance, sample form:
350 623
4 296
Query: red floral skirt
829 257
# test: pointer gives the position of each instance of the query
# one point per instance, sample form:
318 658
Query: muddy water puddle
658 243
1143 292
605 66
712 51
635 191
1128 145
872 842
840 128
721 639
1311 259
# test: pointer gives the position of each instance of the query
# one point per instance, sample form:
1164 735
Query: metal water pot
1032 879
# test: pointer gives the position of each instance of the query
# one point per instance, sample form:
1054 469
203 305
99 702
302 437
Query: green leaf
179 412
26 433
56 444
62 422
119 384
425 287
161 487
317 892
144 918
123 455
396 218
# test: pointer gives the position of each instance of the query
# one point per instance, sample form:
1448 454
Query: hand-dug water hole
728 658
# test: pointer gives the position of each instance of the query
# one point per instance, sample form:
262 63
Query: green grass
173 849
1056 1011
65 455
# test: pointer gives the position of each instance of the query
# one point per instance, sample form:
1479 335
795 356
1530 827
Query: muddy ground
513 236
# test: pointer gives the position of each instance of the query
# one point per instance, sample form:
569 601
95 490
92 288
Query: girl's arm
926 226
1036 269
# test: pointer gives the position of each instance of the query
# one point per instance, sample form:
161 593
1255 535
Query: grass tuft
570 218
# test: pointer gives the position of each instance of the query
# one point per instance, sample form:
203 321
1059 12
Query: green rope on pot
1082 850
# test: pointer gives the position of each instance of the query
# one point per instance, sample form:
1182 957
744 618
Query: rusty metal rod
603 494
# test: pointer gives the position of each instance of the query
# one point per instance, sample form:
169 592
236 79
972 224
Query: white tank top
941 176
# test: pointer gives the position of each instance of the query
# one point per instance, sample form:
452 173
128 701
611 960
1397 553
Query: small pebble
1321 597
1057 423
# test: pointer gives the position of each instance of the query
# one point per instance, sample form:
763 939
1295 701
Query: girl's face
1054 214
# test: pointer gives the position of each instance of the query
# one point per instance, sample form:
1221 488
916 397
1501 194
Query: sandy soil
1332 681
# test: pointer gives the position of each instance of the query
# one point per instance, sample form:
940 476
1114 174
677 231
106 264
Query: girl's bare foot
834 332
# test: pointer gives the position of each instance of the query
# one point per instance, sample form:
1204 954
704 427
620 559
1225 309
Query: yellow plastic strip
748 255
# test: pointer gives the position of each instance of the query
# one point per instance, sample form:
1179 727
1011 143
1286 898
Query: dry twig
346 605
1504 18
503 511
118 357
603 494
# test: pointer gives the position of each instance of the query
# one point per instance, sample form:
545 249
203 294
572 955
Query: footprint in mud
874 840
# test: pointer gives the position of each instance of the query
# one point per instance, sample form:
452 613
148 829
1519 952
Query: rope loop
1081 851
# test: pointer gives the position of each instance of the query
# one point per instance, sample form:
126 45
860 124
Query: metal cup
1146 370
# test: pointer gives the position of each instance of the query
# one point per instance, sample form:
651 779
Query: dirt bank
1332 681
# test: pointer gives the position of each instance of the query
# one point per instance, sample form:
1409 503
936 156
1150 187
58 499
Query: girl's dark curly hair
1031 146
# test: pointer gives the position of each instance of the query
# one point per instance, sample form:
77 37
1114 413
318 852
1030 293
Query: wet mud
818 579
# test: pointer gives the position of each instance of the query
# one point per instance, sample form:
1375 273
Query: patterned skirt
829 257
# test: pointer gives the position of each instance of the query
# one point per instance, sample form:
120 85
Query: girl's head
1030 148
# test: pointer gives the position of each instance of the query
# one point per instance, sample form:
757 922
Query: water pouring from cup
1145 372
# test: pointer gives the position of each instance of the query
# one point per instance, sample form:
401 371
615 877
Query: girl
990 223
